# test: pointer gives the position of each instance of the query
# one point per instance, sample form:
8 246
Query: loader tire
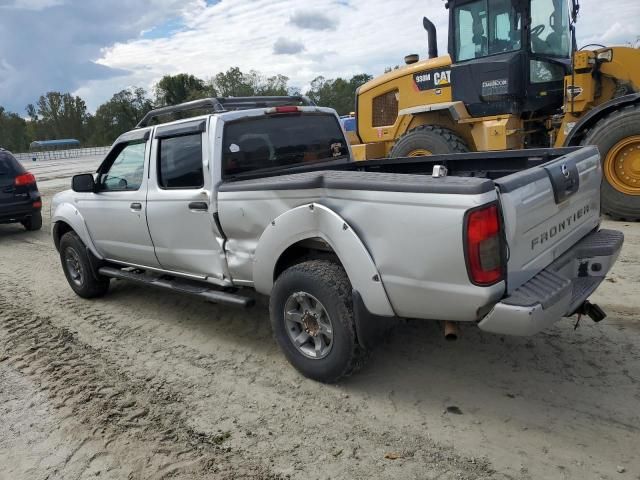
617 136
428 140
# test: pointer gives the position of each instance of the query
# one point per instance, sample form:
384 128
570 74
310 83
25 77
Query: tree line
58 115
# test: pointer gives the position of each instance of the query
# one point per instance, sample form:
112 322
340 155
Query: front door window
550 28
127 170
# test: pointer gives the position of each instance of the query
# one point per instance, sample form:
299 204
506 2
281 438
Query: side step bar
179 285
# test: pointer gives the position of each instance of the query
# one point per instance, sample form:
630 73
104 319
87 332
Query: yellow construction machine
514 78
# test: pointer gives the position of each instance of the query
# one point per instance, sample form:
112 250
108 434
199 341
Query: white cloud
52 45
30 4
313 20
368 36
285 46
240 33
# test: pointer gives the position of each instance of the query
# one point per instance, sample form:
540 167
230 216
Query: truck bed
473 167
548 197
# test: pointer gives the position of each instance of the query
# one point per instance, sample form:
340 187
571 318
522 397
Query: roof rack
225 104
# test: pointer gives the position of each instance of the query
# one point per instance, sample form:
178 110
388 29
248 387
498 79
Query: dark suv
20 200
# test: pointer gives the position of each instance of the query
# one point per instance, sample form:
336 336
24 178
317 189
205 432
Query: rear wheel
312 320
617 136
428 140
34 222
77 268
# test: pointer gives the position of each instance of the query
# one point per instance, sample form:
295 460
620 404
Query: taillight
284 109
37 204
483 245
24 179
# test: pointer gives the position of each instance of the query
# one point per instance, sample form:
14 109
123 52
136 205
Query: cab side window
180 162
126 171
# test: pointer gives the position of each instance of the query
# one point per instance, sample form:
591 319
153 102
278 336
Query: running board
179 285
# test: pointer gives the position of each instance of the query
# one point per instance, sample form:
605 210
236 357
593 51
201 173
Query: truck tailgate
547 209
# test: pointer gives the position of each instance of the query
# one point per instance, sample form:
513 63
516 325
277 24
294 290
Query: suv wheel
312 320
34 222
77 268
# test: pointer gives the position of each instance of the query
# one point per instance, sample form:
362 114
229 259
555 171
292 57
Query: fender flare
587 121
457 110
317 221
70 215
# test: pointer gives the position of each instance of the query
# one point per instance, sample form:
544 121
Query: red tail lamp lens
24 179
484 256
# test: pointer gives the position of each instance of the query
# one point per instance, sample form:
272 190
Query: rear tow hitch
593 311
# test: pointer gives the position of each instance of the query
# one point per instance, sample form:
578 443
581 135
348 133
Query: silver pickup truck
263 194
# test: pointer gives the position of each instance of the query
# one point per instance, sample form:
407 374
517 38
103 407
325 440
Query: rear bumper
559 290
17 212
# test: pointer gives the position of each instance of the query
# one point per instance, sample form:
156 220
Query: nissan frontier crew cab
263 194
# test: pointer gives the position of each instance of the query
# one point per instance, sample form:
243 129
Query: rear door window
281 140
180 162
9 169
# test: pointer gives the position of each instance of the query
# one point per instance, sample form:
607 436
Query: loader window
550 28
486 27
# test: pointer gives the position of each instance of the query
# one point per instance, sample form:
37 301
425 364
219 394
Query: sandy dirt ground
149 384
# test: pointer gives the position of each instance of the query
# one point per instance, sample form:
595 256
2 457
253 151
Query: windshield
486 27
281 140
550 27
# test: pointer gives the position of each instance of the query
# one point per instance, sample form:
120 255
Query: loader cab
509 56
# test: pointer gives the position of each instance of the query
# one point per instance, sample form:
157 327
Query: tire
605 134
325 283
77 268
33 223
434 139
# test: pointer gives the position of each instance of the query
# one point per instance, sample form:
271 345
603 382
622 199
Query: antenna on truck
226 104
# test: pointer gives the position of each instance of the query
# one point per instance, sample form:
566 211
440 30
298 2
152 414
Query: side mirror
83 183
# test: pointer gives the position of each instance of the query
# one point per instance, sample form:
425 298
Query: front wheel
617 136
77 268
312 320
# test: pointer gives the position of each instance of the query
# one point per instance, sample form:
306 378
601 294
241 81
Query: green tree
235 83
121 113
14 135
58 115
175 89
338 93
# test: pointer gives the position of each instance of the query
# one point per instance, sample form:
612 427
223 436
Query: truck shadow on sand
556 376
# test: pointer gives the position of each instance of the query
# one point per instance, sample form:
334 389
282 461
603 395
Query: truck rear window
281 140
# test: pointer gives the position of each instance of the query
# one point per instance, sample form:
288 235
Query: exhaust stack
431 37
451 331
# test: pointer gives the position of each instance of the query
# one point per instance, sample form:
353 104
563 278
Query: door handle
136 206
200 206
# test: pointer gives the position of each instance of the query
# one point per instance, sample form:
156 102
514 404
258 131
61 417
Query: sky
94 48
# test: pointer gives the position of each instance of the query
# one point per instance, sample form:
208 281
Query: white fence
57 154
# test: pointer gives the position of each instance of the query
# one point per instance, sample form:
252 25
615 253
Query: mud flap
370 328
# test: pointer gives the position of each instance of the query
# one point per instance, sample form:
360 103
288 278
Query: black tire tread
613 202
454 142
93 288
331 273
33 223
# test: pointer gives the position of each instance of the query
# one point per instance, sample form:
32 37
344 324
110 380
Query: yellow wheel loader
514 78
